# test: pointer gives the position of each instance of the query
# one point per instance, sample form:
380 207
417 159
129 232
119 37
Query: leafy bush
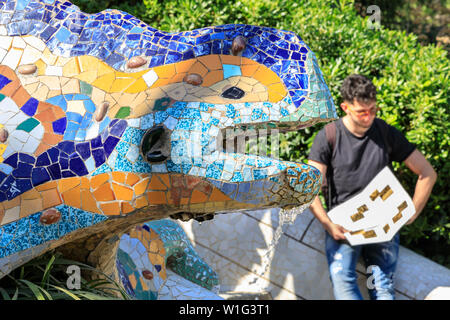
44 278
412 80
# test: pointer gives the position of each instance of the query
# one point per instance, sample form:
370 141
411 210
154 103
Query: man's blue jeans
380 260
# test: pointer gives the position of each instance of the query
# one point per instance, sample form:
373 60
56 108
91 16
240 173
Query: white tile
31 145
76 106
53 71
12 58
11 215
35 42
150 77
19 43
3 53
5 42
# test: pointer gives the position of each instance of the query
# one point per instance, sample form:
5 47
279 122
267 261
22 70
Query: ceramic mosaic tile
154 258
106 122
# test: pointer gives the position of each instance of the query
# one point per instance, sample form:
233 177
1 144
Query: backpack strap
330 133
384 129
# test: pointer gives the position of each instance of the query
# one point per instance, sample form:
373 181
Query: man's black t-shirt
355 161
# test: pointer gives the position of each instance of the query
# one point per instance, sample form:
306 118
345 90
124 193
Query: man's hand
335 230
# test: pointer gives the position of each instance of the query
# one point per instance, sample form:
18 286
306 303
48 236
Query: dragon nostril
233 93
136 62
153 145
3 135
27 69
193 79
238 45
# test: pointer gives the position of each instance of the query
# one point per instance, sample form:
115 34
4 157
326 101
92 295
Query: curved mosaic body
157 261
106 122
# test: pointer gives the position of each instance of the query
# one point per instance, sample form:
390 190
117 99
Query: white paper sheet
377 213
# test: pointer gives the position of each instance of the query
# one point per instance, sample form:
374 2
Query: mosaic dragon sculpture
107 123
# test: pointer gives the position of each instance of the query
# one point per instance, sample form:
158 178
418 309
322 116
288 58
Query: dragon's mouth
236 151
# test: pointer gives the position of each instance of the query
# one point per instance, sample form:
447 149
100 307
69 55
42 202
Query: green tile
123 112
85 88
28 125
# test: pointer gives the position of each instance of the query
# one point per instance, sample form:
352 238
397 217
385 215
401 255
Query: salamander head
104 117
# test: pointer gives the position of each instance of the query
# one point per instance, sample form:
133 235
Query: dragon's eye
233 93
152 145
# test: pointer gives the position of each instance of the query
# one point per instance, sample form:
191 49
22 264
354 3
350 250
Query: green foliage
412 80
44 278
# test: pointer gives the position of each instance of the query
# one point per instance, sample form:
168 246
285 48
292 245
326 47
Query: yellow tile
138 86
166 71
48 57
120 84
105 82
88 76
103 68
41 65
71 68
87 63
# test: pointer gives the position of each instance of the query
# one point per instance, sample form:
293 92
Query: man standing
350 155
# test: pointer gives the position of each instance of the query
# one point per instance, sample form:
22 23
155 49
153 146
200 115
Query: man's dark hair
358 87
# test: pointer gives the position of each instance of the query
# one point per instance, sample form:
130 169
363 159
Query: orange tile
198 197
132 179
165 179
218 195
236 60
157 197
266 76
59 113
122 193
127 208
212 61
118 176
51 138
42 106
72 197
153 235
31 206
46 186
184 201
198 68
156 184
98 180
249 70
20 96
46 116
212 77
111 208
166 71
31 194
141 202
133 280
178 77
85 184
184 66
140 187
248 61
51 198
104 193
10 88
68 183
88 202
12 203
